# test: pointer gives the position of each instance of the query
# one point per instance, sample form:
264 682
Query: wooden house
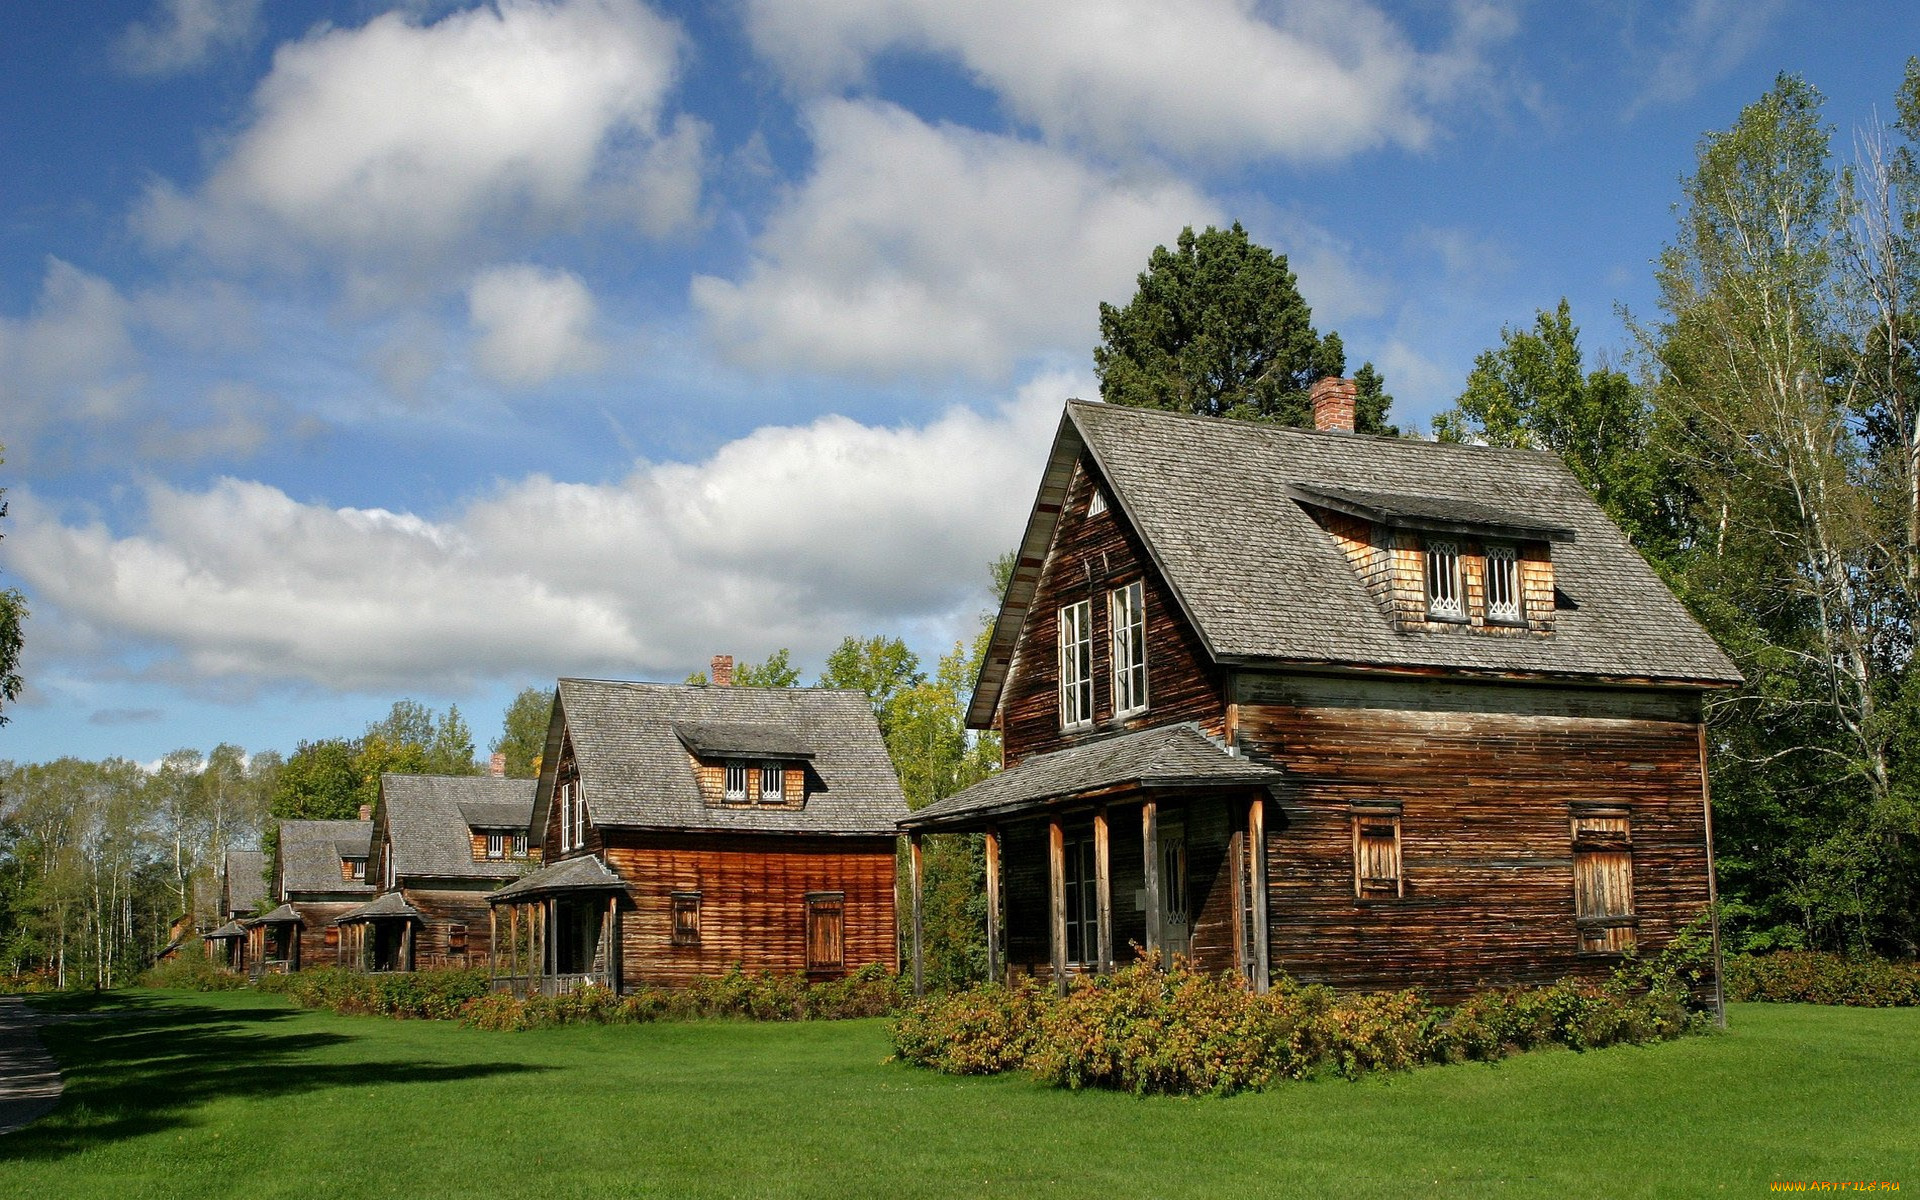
319 874
688 830
440 844
1372 712
242 885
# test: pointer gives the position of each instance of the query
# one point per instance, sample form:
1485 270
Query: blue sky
351 352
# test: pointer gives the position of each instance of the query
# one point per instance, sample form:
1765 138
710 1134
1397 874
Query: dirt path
29 1079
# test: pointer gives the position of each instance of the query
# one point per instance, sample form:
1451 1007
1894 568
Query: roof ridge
708 687
1296 430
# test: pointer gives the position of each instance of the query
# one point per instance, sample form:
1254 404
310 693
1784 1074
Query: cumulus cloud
791 536
71 358
184 35
531 324
917 247
1308 80
402 139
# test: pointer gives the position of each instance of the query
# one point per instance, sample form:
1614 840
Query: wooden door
1176 920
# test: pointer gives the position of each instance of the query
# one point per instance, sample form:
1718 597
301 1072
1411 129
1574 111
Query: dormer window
1445 601
1503 585
772 784
1076 665
354 868
737 776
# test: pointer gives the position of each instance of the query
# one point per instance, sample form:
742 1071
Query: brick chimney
497 765
366 812
722 673
1333 404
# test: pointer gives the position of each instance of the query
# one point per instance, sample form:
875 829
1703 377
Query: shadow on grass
138 1065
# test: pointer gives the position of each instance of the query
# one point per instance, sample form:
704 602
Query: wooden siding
442 909
711 777
753 901
1392 565
480 836
1090 557
316 919
567 770
1487 779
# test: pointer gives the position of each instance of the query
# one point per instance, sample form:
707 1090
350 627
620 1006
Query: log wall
1487 779
435 940
1091 556
753 901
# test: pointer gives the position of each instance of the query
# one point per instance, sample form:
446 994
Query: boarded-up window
456 939
1603 879
686 918
826 931
330 937
1376 852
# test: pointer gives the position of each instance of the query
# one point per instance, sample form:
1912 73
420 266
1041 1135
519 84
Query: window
772 784
497 845
686 918
579 814
1443 582
826 928
1098 504
356 868
566 816
456 939
1127 616
518 847
1083 902
1376 853
1603 879
737 782
1076 664
330 937
1503 585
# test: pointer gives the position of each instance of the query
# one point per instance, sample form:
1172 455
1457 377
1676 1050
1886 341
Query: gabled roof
1218 505
246 880
583 873
286 914
725 739
636 771
390 904
1448 514
310 853
1163 757
227 932
426 818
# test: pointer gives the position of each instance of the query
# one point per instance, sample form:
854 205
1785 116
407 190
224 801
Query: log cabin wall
453 917
753 901
1487 778
319 936
1090 556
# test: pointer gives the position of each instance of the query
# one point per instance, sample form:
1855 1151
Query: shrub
430 995
871 991
191 972
1811 977
981 1031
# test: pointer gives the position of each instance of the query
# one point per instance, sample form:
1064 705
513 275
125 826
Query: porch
380 936
273 942
556 930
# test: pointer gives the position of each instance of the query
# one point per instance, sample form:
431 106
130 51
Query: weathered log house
1373 712
319 873
691 829
441 843
242 885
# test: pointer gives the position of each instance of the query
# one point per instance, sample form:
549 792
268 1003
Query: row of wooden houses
1368 711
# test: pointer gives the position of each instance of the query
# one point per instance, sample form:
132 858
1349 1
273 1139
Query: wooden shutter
826 941
686 918
456 939
330 938
1603 879
1376 853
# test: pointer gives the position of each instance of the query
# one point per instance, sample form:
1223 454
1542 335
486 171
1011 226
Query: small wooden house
441 843
688 830
319 874
1373 712
242 884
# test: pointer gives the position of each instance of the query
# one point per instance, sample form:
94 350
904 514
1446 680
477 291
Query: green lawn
173 1094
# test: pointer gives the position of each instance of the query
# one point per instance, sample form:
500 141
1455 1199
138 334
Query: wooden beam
1103 892
1257 859
493 945
914 883
996 957
1057 892
1150 851
1713 886
613 912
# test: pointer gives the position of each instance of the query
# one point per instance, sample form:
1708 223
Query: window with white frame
566 816
1127 617
1503 584
497 845
1098 504
1076 664
737 776
772 784
1444 599
579 814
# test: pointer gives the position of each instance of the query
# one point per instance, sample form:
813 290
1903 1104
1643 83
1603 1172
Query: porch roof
1167 756
232 929
286 914
583 874
391 904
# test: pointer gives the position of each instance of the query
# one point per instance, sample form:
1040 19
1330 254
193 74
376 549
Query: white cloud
72 358
1308 80
532 324
920 247
1700 42
183 35
402 139
791 536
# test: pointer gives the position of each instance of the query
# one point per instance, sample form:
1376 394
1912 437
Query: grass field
236 1094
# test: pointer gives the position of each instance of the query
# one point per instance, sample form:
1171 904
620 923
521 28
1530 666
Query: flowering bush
1809 977
981 1031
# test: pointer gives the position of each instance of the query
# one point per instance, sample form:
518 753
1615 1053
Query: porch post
1150 841
493 945
914 886
1257 863
995 967
1057 891
1103 891
406 951
613 901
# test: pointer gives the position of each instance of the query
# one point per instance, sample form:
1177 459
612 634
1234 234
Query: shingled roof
430 819
635 769
1164 757
246 881
1218 505
391 904
583 873
310 856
